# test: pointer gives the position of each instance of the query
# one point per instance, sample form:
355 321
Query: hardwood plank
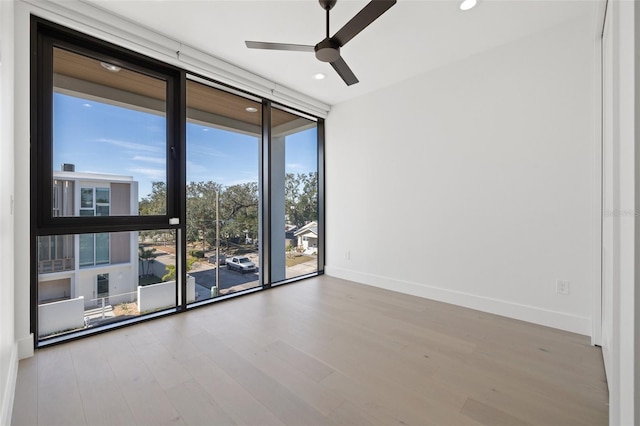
323 351
104 403
490 416
236 401
303 362
59 404
26 396
194 405
283 402
304 387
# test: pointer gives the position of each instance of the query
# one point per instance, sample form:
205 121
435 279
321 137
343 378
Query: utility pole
217 242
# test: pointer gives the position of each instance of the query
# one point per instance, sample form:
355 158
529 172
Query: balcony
56 265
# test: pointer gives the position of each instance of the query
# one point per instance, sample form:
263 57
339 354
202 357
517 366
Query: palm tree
148 255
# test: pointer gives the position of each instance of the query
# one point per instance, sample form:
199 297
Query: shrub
197 253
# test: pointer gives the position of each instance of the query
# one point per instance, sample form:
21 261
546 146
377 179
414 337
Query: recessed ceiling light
468 4
251 109
110 67
319 76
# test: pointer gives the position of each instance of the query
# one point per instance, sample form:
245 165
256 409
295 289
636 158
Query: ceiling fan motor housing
327 4
327 50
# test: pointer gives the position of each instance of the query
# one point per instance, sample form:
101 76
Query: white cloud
154 160
295 166
196 169
133 146
207 151
157 174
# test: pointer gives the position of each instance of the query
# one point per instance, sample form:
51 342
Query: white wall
60 316
621 226
474 183
21 222
163 295
123 284
8 347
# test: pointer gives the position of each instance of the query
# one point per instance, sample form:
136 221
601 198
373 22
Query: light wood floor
320 352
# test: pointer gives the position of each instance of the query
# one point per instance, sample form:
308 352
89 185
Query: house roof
309 228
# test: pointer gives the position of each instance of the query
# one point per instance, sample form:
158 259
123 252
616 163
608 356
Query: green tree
201 213
301 197
171 269
170 273
239 211
156 202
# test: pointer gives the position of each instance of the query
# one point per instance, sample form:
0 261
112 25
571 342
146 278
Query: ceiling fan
328 50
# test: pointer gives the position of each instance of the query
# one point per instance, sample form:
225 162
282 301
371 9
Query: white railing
56 265
104 307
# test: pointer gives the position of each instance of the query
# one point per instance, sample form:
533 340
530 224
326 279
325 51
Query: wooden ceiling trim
201 97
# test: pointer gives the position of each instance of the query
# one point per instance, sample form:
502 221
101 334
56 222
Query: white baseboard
9 390
559 320
25 347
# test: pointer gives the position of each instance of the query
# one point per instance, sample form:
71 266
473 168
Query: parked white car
240 264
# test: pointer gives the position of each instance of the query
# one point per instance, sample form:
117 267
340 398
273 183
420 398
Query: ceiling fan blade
366 16
279 46
344 71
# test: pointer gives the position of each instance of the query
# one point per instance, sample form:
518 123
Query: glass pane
86 242
103 285
102 248
223 161
101 211
294 177
138 277
43 248
102 195
109 136
86 198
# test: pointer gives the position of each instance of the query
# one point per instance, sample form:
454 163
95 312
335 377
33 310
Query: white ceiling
411 38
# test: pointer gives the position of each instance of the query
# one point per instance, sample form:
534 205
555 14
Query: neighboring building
308 238
100 267
290 235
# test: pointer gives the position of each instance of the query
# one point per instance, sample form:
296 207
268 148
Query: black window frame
49 36
46 35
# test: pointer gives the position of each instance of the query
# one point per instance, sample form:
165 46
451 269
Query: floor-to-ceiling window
222 193
154 190
105 136
294 195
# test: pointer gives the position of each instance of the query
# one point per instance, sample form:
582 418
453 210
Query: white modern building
101 268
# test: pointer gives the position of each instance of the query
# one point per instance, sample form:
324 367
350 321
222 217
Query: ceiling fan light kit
328 50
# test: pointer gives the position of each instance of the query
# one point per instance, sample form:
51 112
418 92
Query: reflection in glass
109 139
223 146
116 276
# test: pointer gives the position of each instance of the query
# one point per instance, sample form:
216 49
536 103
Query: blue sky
103 138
